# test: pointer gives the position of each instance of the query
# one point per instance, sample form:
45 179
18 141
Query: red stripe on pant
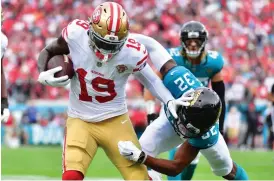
64 151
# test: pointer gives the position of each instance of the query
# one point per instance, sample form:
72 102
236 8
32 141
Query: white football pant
160 137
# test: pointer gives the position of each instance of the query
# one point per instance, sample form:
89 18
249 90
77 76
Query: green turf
46 161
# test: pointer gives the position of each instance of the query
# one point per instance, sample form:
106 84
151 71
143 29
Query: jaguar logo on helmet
96 16
196 96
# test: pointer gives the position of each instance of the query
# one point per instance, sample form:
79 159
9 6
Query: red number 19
133 44
107 85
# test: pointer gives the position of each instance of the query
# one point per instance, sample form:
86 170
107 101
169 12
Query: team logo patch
96 16
121 68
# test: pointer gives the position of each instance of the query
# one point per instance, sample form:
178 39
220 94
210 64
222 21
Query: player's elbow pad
219 88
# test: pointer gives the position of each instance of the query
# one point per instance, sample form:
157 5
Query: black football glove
151 118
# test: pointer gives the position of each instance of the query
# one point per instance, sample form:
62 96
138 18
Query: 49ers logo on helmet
96 16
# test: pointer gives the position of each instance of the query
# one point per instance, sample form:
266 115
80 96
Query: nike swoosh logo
129 154
172 73
123 122
48 83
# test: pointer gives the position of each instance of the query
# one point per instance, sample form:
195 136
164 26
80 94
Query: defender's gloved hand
131 152
184 100
151 117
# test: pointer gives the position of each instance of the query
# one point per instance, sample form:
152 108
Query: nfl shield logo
121 68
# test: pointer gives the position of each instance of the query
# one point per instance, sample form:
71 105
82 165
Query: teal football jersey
210 65
179 80
207 140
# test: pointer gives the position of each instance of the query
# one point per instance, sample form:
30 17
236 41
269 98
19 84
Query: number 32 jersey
97 91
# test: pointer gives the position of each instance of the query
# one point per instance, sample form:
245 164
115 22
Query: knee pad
72 175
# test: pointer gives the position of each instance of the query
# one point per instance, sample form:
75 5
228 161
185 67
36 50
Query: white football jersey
97 91
4 44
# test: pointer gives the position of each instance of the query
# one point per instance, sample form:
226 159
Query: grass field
46 162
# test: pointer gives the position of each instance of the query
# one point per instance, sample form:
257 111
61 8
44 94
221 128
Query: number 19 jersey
97 91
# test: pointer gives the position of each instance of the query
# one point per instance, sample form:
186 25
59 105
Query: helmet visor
106 46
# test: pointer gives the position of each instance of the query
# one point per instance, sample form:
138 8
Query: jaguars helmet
109 29
204 111
193 30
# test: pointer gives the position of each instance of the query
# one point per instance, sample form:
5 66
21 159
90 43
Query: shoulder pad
75 29
137 52
216 61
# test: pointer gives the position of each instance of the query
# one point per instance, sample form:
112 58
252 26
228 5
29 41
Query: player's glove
131 152
173 105
151 117
5 113
47 78
150 108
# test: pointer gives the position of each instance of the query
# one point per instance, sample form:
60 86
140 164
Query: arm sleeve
219 88
153 83
157 53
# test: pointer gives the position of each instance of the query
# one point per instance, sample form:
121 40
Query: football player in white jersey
4 94
104 55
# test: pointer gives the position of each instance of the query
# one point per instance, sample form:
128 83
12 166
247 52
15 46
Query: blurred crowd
242 31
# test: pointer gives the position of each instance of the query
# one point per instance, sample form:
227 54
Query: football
63 61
